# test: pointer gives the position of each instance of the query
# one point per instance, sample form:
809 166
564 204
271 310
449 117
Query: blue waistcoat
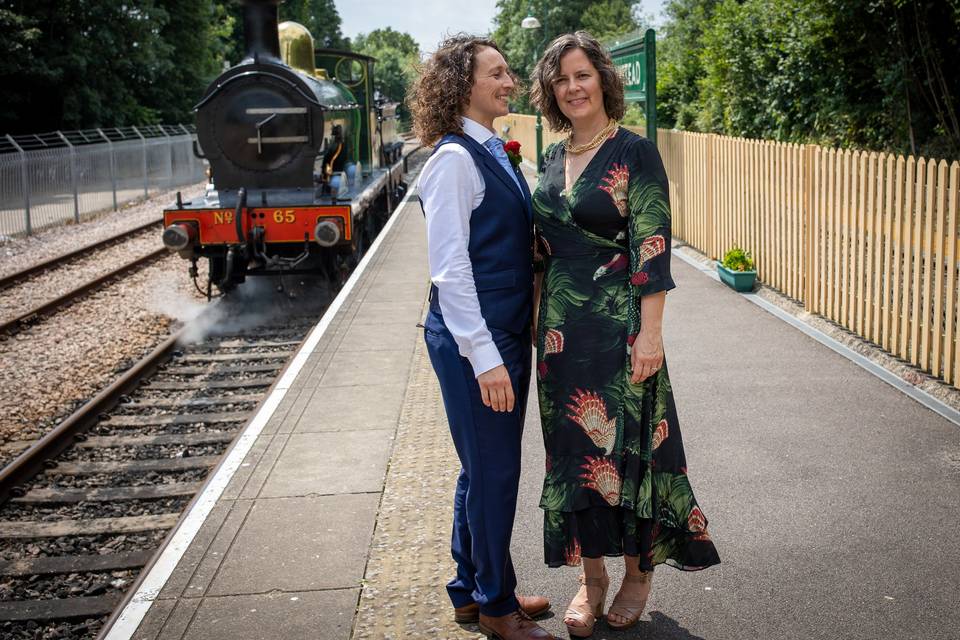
501 243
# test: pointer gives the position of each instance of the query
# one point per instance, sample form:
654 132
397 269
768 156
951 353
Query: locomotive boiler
302 160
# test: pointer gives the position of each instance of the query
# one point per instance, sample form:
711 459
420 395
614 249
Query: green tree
19 57
609 18
320 17
679 65
879 74
397 54
95 61
763 63
199 33
522 47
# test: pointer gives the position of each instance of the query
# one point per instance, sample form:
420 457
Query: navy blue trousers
488 445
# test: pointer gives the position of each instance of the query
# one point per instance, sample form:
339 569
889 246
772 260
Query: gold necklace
598 139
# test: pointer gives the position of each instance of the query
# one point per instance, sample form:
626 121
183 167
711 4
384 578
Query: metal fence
47 179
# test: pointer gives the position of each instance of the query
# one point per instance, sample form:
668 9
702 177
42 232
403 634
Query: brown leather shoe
513 626
533 606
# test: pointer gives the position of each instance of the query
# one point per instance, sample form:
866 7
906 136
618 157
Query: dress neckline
563 164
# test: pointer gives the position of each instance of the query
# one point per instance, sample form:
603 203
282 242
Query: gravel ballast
53 366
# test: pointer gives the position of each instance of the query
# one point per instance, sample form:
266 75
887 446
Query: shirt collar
476 130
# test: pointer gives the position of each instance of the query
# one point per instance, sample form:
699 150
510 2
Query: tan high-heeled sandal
628 608
581 610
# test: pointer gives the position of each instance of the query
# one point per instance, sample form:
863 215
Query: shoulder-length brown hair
438 97
548 68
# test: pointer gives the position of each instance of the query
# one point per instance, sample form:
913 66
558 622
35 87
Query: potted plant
737 269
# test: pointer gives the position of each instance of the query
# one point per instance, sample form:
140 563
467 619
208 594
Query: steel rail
8 280
33 460
11 326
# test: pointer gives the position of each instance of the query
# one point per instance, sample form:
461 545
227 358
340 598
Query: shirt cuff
485 358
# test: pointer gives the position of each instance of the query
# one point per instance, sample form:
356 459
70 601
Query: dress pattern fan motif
590 412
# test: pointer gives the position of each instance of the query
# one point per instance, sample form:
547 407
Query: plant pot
737 280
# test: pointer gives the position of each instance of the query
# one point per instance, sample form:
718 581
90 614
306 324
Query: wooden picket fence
865 239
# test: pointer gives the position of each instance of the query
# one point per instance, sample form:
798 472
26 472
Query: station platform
832 497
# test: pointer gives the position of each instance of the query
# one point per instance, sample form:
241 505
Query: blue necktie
495 146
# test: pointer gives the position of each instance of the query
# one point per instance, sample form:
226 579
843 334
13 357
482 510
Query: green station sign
633 68
636 59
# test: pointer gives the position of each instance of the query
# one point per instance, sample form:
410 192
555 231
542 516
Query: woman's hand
646 355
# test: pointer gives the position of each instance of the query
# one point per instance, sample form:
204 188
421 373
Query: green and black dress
616 477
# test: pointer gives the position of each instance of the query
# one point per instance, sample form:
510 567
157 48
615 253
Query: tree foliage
19 58
89 63
320 17
877 74
107 63
522 47
397 55
198 33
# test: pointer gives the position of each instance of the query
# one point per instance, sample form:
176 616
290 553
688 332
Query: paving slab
331 463
397 292
377 311
179 619
299 544
375 406
374 337
151 628
224 517
384 366
312 615
256 467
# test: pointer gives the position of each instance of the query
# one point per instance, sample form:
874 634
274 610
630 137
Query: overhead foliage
88 63
80 64
198 33
879 74
522 47
320 17
397 55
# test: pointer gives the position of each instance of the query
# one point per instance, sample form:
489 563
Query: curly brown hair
548 68
441 92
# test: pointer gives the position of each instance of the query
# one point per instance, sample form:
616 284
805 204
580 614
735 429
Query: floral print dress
616 477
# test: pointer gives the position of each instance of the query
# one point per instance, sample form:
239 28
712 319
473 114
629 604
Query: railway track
84 508
19 283
91 502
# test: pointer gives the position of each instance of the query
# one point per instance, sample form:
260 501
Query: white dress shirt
451 187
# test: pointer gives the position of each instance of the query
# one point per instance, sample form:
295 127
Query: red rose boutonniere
513 152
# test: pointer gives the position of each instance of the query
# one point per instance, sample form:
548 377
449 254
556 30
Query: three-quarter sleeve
649 221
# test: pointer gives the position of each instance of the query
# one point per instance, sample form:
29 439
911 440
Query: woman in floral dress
616 478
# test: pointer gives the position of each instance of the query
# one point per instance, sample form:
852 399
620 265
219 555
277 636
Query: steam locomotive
303 160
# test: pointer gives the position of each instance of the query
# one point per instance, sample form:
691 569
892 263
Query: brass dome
296 47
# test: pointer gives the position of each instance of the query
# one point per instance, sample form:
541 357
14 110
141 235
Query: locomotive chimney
260 30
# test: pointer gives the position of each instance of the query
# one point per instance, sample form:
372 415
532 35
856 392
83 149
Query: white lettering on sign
632 73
